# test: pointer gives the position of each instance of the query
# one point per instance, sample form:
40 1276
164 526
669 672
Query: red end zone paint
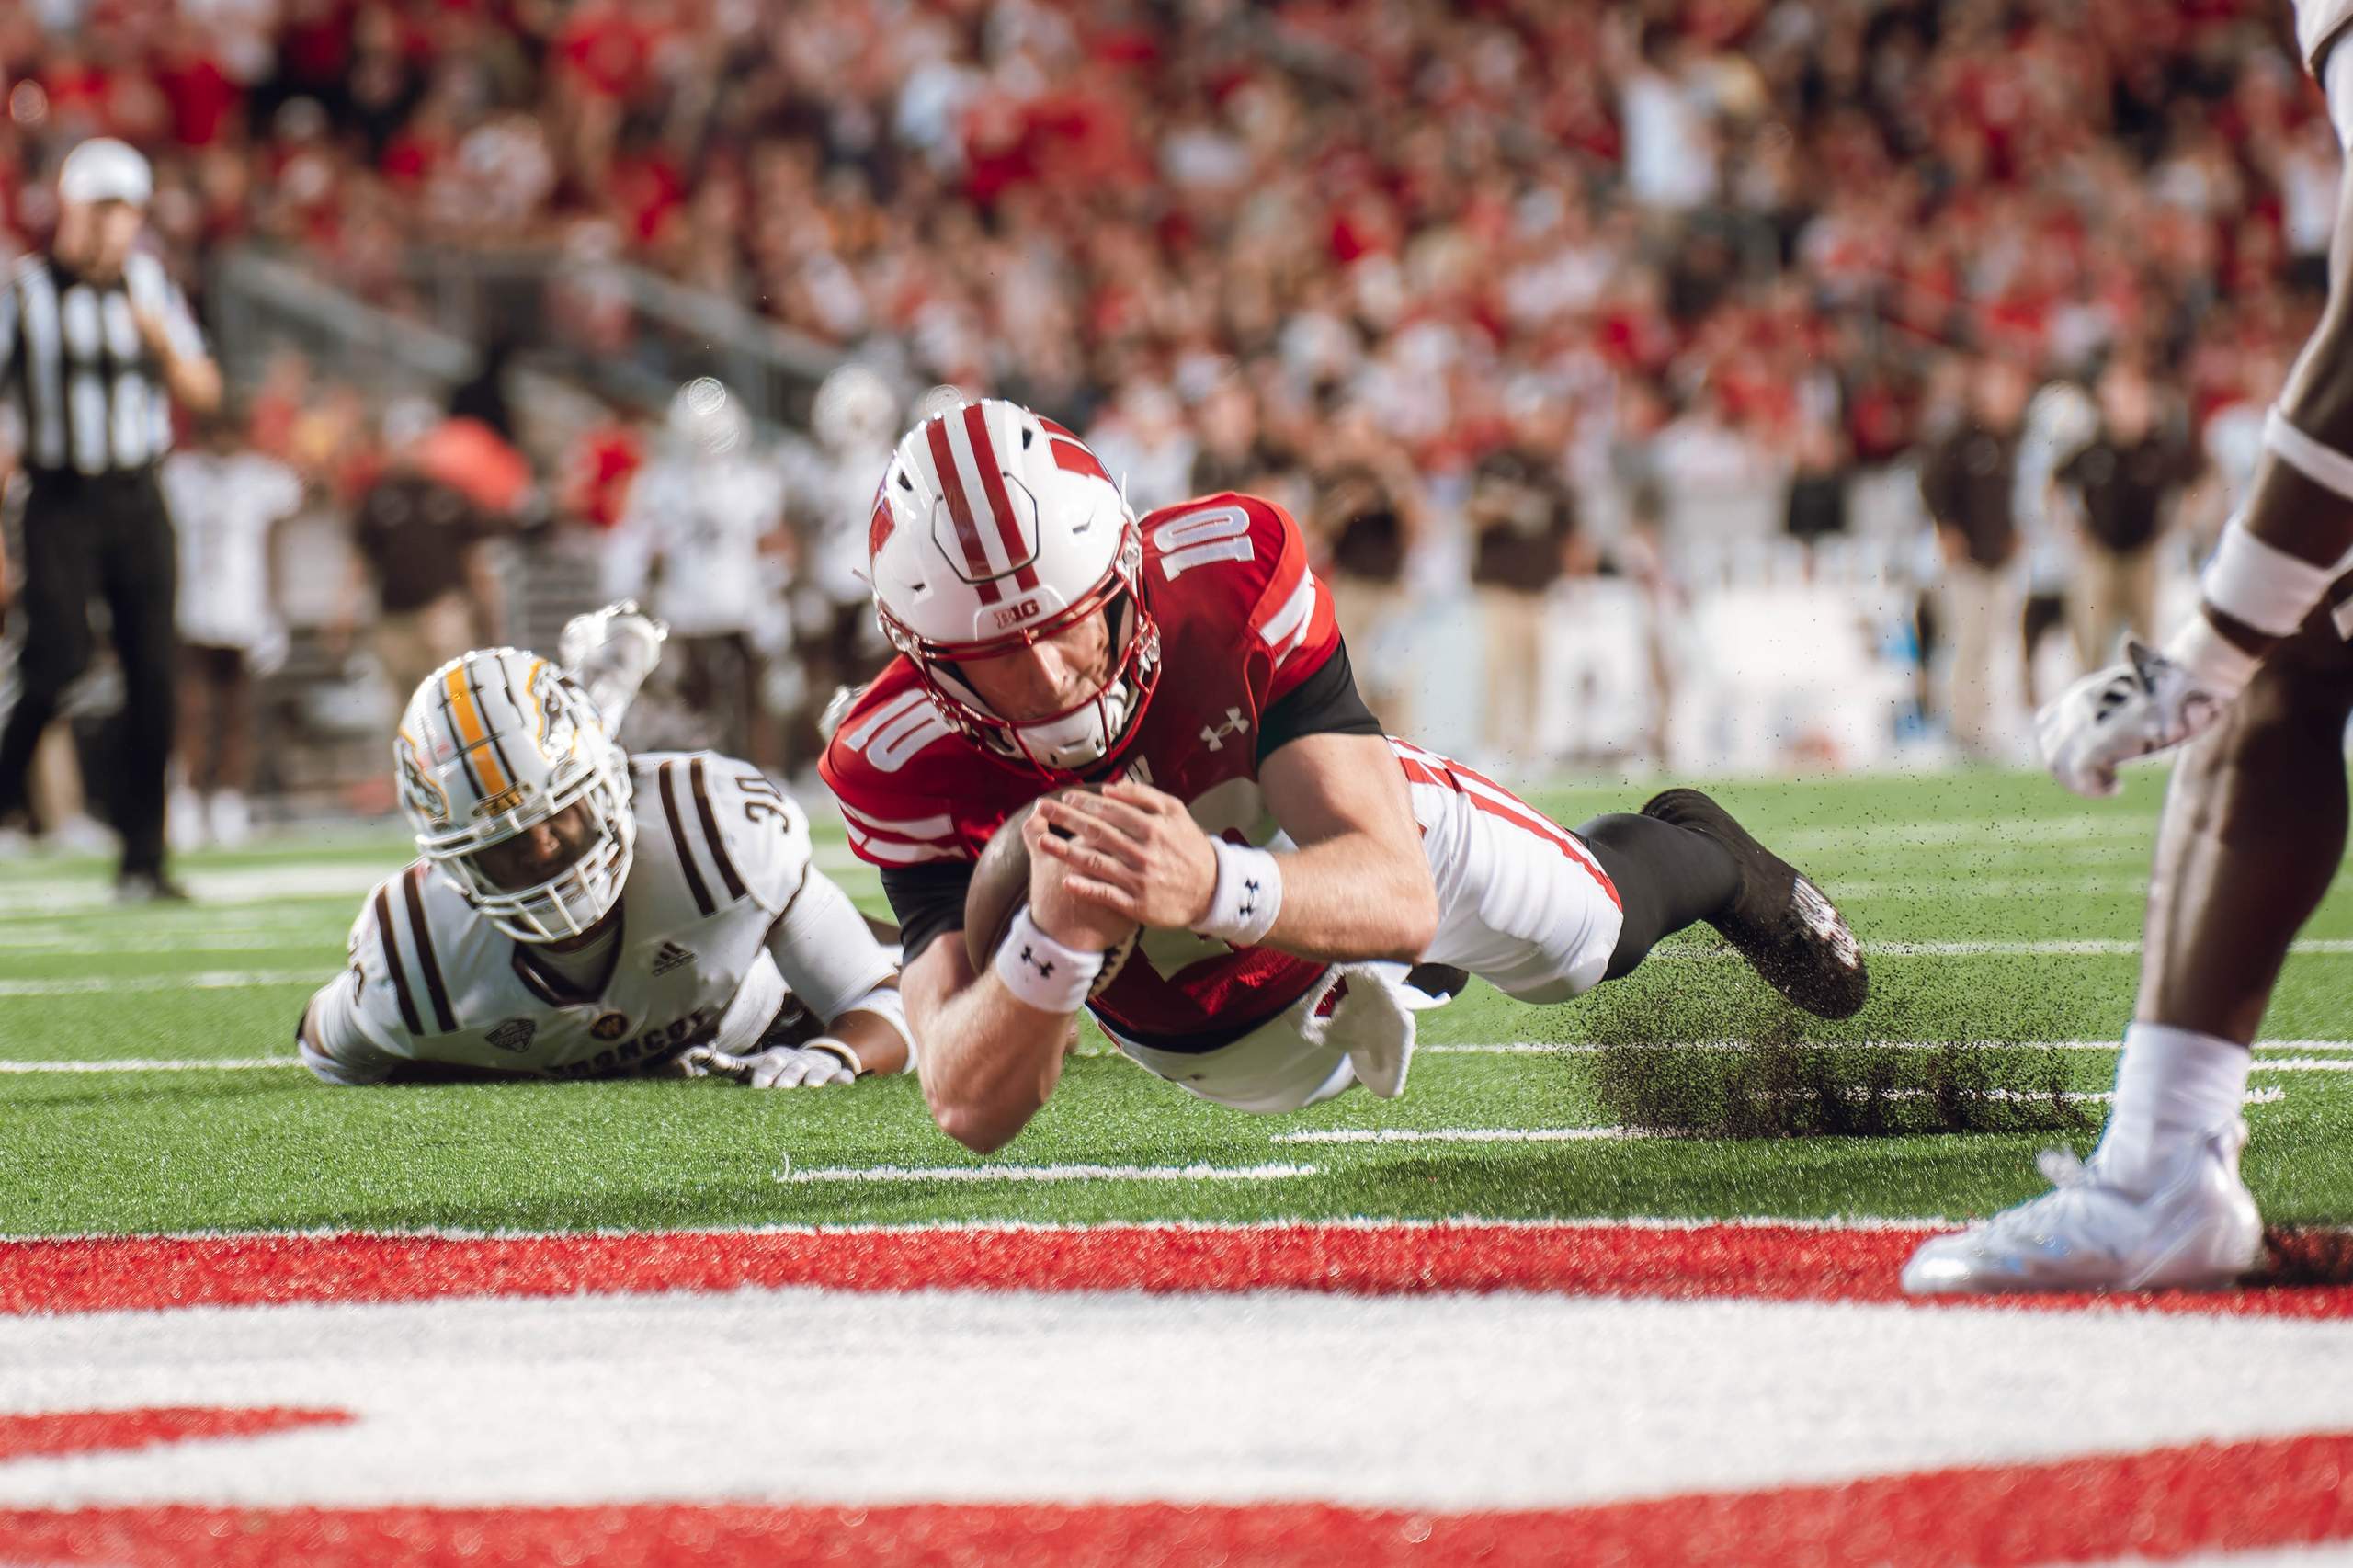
1785 1262
95 1431
2159 1505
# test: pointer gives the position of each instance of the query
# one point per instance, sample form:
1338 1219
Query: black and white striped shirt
89 393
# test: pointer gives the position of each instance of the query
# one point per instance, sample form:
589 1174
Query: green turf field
1996 910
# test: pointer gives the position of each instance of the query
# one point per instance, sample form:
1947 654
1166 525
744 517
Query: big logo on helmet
1006 619
878 530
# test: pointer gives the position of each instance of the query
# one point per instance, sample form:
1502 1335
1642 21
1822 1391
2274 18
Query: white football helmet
706 419
854 410
494 743
995 528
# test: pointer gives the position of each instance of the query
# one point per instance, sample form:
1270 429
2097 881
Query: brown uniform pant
216 719
2113 591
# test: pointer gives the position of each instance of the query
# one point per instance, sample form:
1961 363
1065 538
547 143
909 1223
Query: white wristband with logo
1249 895
1041 971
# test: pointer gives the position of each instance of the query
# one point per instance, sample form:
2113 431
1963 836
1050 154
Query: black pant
87 537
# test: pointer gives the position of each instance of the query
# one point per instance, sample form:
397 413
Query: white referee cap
103 169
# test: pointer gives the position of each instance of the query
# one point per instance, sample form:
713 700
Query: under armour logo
1234 724
1045 967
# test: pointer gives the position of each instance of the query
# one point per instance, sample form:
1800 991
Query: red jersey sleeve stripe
1484 794
1287 626
960 511
885 852
939 826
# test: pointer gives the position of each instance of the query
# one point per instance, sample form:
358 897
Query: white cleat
231 819
184 822
2199 1231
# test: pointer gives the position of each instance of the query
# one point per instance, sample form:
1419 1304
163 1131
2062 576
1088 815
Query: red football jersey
1243 621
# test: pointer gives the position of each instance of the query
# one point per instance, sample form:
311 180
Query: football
1001 885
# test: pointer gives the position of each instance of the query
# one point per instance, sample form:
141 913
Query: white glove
610 652
807 1066
2146 705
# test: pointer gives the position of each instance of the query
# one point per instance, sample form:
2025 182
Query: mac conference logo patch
514 1035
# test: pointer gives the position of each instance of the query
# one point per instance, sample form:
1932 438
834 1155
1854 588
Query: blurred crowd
1499 295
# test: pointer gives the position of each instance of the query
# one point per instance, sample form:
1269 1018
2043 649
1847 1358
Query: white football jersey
721 915
832 499
700 520
223 508
2317 24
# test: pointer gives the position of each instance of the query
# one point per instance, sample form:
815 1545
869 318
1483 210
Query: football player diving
576 912
1285 860
2257 684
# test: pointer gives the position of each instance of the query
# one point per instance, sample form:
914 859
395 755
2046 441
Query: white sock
2172 1086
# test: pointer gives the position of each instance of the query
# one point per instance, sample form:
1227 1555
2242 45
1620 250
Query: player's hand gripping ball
1133 849
1010 874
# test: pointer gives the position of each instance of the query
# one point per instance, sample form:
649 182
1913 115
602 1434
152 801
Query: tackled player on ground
1288 865
577 912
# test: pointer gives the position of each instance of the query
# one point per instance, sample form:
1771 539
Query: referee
94 343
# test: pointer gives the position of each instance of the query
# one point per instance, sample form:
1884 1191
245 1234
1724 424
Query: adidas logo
670 957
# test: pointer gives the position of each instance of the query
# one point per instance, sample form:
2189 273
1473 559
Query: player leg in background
2254 825
59 575
199 751
139 578
227 809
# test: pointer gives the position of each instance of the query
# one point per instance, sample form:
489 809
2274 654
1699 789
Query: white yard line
251 884
1045 1173
1588 1048
150 1064
198 979
1460 1135
1610 1134
327 935
1004 1225
2079 948
224 980
1971 831
1936 888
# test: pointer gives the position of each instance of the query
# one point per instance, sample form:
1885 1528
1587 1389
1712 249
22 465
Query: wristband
2259 584
2212 659
1249 895
838 1048
2325 466
1041 971
885 1002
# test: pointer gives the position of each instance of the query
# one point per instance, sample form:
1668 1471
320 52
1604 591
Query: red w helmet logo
878 530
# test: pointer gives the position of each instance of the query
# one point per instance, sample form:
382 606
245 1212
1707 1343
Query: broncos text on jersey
721 855
1242 622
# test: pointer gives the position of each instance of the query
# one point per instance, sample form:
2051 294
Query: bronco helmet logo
422 791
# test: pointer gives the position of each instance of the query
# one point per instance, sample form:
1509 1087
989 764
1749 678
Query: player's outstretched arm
830 958
989 1046
1357 887
610 652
